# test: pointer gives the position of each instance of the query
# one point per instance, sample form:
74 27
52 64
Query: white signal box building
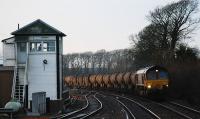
35 51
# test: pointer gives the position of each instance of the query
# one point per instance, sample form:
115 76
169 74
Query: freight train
143 81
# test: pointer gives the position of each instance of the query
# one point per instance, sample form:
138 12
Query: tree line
101 61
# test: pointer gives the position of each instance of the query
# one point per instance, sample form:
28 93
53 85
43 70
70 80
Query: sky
90 25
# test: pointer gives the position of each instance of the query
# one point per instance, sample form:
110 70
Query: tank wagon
93 81
99 80
106 81
143 81
86 82
127 80
113 80
120 81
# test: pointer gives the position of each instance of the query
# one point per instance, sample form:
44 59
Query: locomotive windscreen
163 75
157 75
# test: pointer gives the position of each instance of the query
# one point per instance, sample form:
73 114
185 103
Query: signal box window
49 46
35 46
44 46
22 47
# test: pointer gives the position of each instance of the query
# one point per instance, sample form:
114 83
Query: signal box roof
38 27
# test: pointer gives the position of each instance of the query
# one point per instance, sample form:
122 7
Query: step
18 93
18 89
17 97
19 86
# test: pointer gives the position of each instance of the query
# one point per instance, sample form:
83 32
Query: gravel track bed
93 105
77 104
138 112
160 111
182 110
111 109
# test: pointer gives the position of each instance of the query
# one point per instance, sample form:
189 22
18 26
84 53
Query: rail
170 109
183 106
95 111
132 115
73 112
140 105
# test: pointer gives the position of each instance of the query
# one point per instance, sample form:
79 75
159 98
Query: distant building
35 51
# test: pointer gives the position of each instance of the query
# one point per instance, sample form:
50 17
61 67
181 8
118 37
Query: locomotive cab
156 78
152 79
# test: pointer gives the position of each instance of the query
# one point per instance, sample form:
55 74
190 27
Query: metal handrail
14 82
25 78
14 76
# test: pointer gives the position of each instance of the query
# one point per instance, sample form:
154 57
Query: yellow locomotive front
156 80
151 80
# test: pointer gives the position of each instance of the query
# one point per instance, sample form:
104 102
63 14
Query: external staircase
18 89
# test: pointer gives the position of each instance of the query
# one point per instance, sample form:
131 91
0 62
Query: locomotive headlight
148 86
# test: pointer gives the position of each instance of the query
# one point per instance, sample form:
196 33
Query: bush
185 81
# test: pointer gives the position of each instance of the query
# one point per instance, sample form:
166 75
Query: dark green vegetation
162 42
185 81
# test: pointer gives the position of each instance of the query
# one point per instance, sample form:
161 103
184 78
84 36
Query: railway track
131 115
112 109
125 108
92 106
62 116
162 111
184 111
135 109
129 107
94 111
186 107
175 110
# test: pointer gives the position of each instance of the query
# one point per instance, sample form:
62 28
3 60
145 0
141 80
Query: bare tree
98 62
177 21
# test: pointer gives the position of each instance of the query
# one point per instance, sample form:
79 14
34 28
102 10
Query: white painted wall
42 77
9 52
